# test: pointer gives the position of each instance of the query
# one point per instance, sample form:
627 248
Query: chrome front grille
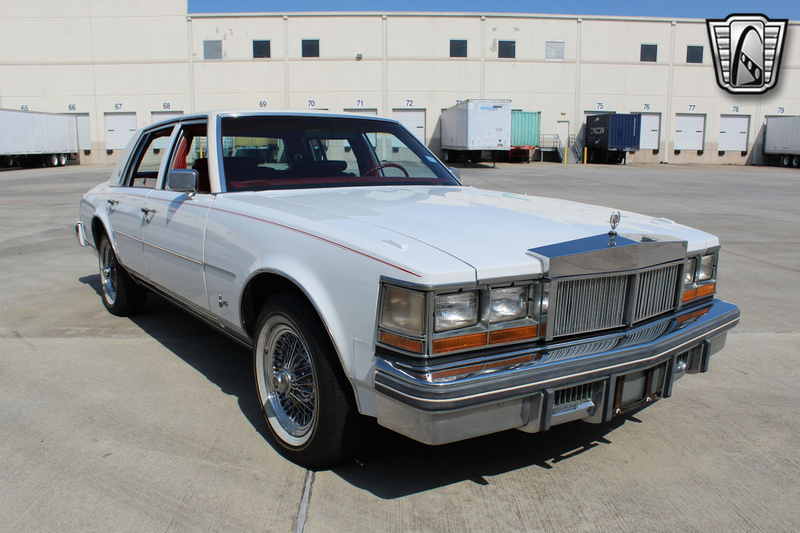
656 292
594 304
573 395
589 304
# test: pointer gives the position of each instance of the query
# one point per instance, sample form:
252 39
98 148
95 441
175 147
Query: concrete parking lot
152 424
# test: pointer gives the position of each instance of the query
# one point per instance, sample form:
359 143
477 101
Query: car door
127 203
174 234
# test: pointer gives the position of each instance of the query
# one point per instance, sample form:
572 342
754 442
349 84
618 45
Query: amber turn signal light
703 290
410 345
451 344
513 334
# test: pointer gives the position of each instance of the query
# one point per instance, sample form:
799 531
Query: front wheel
302 391
121 295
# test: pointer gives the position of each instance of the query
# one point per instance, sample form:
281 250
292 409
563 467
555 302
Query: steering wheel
376 168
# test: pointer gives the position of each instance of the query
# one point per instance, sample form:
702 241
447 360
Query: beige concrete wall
102 56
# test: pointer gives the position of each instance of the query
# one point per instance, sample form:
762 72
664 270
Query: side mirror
454 171
183 180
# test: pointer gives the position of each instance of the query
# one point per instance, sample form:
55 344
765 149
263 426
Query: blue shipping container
614 131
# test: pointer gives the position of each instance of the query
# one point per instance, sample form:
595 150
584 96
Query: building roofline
301 14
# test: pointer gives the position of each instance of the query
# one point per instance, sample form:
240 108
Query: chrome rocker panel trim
411 403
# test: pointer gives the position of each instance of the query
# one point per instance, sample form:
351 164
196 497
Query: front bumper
591 379
80 233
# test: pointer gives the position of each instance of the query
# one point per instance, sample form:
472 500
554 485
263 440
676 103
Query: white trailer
37 139
782 140
476 126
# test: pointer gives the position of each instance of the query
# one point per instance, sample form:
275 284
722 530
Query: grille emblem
747 52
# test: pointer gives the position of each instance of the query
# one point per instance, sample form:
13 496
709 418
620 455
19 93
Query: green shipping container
525 128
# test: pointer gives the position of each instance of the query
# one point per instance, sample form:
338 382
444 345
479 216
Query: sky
663 8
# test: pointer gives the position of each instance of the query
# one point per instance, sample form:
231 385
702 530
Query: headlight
688 276
509 303
706 268
456 310
403 311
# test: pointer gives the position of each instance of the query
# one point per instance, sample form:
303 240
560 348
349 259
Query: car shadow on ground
389 465
221 360
396 466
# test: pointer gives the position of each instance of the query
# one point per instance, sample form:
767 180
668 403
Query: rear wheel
51 160
786 160
121 295
304 395
796 161
62 160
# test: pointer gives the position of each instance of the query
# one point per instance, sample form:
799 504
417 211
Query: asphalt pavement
152 424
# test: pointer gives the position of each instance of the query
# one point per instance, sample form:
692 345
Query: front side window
191 152
507 49
273 152
153 147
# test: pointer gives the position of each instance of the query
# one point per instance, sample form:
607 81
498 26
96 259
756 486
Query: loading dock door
84 131
413 119
158 116
733 133
651 131
689 131
120 127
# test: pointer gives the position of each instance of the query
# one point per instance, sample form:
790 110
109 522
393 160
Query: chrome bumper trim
80 233
435 412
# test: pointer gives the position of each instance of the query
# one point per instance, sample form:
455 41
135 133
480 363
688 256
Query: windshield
275 152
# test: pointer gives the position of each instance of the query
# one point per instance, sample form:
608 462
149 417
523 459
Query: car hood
490 231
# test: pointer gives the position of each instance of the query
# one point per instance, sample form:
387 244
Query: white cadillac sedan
370 283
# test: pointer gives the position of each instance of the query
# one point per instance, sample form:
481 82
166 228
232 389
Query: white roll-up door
413 119
651 131
733 133
84 131
689 131
120 127
362 111
158 116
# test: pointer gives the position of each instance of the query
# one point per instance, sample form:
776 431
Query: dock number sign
747 52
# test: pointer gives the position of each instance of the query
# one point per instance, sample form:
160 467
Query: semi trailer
32 139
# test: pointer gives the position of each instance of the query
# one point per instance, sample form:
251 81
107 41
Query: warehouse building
120 65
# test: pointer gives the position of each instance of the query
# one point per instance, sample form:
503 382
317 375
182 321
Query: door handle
148 211
112 202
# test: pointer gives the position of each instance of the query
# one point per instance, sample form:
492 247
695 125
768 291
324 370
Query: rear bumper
592 379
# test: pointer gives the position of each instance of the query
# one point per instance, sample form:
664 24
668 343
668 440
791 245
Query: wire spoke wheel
311 415
108 273
290 381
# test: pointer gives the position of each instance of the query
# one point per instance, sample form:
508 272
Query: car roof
213 115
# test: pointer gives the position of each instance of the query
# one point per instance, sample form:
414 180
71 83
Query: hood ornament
614 221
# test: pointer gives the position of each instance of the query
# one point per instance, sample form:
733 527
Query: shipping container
476 126
35 139
609 136
782 140
525 128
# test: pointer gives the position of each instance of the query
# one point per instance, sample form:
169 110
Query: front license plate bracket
637 389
